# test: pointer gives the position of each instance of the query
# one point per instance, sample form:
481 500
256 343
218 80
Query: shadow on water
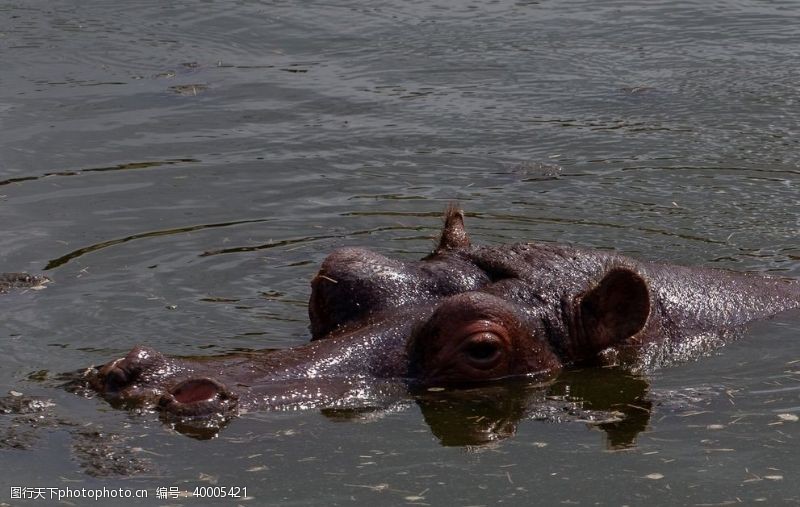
64 259
60 261
306 239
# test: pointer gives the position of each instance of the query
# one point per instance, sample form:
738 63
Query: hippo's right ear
612 311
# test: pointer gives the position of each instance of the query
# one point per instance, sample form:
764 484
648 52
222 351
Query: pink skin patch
195 390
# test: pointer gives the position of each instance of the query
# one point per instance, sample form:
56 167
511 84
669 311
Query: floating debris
189 90
537 171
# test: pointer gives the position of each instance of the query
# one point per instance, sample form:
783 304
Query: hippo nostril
114 375
116 378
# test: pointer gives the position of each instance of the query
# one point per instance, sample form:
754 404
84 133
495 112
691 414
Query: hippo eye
483 350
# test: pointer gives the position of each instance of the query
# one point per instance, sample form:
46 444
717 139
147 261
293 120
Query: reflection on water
615 391
55 263
610 399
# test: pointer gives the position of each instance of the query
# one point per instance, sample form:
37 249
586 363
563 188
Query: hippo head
460 316
464 316
485 313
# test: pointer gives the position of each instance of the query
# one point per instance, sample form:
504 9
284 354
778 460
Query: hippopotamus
462 316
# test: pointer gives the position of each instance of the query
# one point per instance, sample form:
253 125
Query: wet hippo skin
463 316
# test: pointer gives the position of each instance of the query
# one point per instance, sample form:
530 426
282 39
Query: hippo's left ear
614 310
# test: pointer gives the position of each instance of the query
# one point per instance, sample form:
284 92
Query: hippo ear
614 310
454 236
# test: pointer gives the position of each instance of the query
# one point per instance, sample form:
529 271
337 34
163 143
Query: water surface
180 169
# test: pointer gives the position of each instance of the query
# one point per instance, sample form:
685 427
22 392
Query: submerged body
463 315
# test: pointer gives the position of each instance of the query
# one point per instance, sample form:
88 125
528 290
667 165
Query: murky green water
179 169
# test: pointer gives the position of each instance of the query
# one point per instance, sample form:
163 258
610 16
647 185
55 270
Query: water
180 169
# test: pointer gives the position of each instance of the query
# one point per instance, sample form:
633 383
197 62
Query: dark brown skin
463 315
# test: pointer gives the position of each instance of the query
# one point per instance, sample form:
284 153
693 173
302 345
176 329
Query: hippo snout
126 378
146 378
